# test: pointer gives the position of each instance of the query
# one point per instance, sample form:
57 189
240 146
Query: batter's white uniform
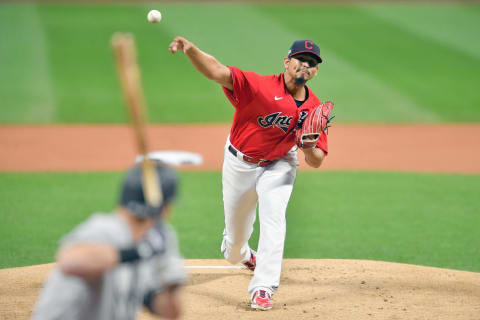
260 166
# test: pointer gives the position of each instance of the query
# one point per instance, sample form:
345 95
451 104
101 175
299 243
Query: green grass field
383 63
411 218
386 63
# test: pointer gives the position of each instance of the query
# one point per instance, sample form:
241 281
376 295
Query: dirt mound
310 289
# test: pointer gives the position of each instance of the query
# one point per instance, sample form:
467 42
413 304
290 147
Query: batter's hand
180 43
312 125
153 243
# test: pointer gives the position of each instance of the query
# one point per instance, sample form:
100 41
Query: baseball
154 16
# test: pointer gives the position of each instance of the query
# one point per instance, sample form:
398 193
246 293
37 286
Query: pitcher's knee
232 254
234 259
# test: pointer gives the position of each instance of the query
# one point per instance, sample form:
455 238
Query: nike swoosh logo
278 98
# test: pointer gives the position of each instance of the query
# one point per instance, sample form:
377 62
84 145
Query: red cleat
261 300
252 263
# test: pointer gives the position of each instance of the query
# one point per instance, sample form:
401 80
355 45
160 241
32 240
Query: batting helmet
132 197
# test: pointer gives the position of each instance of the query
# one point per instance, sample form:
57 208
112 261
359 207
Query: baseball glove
312 124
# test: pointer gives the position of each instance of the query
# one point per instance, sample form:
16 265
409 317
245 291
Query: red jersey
265 115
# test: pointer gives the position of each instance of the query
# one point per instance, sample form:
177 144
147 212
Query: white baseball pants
245 185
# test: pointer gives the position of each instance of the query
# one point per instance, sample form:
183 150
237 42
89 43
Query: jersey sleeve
62 297
100 228
323 143
245 86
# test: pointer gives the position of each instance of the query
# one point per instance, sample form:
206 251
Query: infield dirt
445 148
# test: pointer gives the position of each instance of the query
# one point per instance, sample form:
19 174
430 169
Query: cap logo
308 44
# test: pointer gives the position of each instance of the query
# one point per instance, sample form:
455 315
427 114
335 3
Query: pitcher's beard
300 80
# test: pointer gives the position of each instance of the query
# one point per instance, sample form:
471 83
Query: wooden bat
124 48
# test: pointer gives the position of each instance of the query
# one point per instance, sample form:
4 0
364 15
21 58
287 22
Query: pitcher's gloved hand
313 125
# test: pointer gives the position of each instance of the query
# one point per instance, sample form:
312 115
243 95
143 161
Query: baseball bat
124 48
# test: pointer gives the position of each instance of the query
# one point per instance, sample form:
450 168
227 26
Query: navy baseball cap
305 46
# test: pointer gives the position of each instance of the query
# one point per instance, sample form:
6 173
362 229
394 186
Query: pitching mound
310 289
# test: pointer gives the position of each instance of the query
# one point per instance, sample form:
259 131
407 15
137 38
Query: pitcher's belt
244 157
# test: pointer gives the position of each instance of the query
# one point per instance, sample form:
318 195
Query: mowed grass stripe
264 51
89 89
421 219
437 78
26 90
177 92
375 70
33 220
237 34
83 67
451 24
366 93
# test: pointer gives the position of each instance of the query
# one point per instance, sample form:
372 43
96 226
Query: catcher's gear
311 125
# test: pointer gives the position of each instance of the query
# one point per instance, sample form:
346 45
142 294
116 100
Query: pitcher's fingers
173 47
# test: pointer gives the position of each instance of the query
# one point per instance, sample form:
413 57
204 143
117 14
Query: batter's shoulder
171 234
100 228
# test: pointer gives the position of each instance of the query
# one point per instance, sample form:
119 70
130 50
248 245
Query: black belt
244 157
